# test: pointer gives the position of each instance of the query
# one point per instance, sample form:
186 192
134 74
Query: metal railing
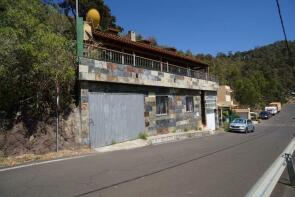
267 182
108 55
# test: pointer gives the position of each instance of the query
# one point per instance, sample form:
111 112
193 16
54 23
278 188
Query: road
227 164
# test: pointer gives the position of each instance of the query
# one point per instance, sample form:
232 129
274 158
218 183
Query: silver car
242 125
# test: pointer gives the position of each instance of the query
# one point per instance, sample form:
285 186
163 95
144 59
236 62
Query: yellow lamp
93 17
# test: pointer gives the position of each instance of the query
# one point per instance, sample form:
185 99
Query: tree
107 19
35 54
257 76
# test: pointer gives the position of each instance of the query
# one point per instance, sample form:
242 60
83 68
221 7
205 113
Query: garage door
115 117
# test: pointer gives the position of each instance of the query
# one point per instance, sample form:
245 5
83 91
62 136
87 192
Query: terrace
108 55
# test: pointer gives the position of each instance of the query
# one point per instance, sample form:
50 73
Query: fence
109 55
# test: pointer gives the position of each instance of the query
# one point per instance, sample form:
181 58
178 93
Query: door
115 117
210 104
210 117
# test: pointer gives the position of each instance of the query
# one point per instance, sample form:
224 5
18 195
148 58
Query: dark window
189 104
162 104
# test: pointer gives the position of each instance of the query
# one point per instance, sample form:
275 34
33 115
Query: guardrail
265 185
108 55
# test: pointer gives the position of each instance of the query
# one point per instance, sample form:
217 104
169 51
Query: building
224 96
243 113
129 87
224 102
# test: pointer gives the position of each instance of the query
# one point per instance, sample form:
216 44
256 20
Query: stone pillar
84 107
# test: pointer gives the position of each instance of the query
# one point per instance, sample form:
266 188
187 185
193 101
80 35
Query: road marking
41 163
267 182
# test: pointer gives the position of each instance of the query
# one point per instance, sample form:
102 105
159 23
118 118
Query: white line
41 163
267 182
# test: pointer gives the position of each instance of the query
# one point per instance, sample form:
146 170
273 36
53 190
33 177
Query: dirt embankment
39 139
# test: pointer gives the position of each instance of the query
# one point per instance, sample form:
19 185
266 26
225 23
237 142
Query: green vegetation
113 142
258 76
226 126
143 135
107 19
37 55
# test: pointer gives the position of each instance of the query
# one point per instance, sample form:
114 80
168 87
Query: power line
283 26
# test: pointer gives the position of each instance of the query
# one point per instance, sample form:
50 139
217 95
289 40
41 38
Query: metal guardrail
108 55
265 185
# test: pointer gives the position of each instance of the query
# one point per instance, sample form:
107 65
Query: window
162 104
189 104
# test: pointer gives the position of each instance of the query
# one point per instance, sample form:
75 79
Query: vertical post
77 9
167 67
290 168
161 64
134 59
57 113
123 62
123 56
77 26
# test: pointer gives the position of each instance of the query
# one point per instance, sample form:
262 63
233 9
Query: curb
154 140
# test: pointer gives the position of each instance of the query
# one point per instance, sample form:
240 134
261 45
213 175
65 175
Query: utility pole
57 113
77 9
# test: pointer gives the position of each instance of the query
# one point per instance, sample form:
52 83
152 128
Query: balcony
108 55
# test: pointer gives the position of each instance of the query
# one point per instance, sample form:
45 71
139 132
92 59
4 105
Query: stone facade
94 70
177 119
99 76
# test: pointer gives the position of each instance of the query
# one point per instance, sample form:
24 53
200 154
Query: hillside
257 76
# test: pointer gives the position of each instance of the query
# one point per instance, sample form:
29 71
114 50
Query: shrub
226 126
143 135
114 142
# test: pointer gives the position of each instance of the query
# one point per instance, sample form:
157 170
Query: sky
207 26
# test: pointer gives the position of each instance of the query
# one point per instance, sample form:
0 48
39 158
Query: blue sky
207 26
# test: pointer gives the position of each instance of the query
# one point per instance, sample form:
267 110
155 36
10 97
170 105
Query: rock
31 138
1 153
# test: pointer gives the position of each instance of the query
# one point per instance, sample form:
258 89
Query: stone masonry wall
94 70
98 76
177 119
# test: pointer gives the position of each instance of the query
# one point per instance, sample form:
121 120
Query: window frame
186 103
166 99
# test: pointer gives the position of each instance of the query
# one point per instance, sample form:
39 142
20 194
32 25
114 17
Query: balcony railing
108 55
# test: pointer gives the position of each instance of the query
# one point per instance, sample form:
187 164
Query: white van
273 110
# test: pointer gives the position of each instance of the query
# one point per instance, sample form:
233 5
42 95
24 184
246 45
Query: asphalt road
227 164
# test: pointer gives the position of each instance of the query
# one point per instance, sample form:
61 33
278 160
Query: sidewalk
157 139
31 159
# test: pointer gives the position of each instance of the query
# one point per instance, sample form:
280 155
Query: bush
143 136
113 142
226 126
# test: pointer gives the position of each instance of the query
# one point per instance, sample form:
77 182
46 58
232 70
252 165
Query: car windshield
239 120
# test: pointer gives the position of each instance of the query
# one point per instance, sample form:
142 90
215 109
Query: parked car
265 115
242 125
